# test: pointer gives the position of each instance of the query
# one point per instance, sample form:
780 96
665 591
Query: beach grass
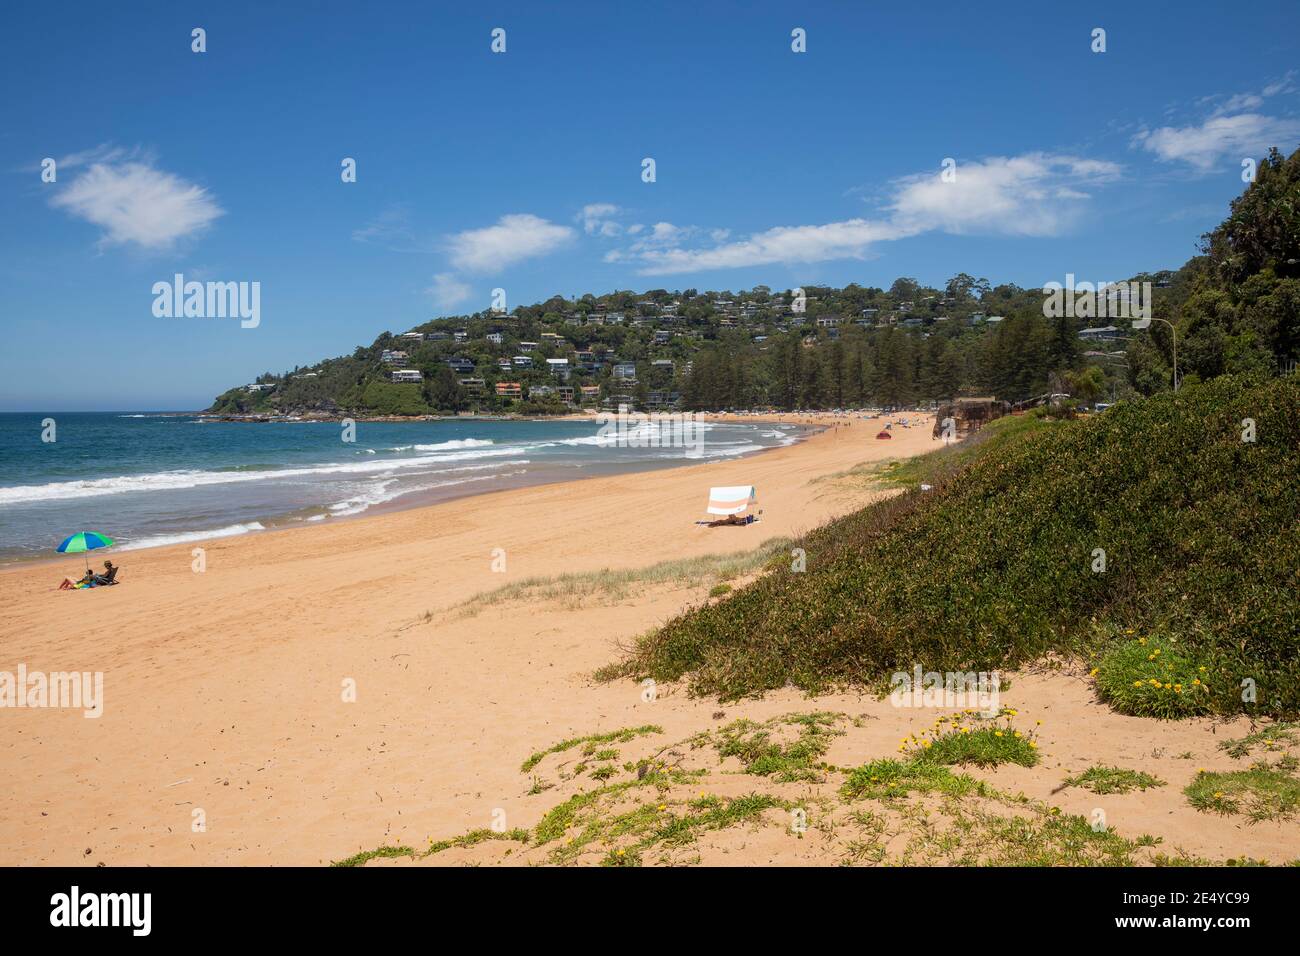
763 752
379 853
1270 738
913 810
1263 792
591 740
1106 780
578 589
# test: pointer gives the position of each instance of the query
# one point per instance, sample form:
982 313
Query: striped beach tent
732 500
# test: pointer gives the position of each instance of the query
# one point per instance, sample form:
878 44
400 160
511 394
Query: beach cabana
731 503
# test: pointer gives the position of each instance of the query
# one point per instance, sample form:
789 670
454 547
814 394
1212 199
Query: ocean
148 479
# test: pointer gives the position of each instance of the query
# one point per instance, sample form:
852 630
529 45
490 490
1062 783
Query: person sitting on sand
68 584
109 576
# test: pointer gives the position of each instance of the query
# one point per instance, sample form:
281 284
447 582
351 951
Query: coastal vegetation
1106 780
697 800
608 585
1155 541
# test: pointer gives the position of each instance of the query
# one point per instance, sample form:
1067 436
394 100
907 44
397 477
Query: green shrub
969 743
1154 678
897 778
1104 780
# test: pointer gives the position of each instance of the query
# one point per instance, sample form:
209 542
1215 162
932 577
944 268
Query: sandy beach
224 690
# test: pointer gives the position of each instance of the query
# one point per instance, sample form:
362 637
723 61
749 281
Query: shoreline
809 427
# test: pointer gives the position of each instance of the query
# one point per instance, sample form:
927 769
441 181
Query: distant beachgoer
109 575
68 584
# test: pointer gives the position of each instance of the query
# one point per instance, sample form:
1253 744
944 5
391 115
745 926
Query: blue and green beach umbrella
84 541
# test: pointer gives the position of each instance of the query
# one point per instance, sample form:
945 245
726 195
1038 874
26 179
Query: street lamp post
1146 323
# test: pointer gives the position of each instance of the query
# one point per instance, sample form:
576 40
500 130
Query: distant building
1105 333
510 390
407 375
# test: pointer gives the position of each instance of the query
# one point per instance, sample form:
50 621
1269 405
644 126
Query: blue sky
522 170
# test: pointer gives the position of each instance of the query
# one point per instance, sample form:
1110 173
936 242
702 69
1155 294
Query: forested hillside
1235 307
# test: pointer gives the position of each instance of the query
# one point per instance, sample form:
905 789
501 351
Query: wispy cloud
512 239
392 230
134 201
1036 194
104 153
1234 129
598 219
447 291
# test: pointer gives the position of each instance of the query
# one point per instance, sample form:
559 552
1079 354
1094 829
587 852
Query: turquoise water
150 479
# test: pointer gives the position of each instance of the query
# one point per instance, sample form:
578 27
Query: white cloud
135 202
1203 146
448 291
1235 129
513 239
1033 194
598 219
836 240
1036 194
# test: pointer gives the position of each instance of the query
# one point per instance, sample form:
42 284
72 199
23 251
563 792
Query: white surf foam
158 541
